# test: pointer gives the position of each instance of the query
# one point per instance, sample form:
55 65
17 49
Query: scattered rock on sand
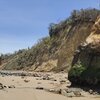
57 91
53 79
1 86
5 86
46 78
40 88
77 94
70 93
62 81
11 86
26 81
36 75
39 83
22 77
91 91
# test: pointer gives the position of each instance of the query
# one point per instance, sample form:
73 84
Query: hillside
54 53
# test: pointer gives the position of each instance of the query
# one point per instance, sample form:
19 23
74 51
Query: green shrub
77 70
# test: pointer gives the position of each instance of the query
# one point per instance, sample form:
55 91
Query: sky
24 22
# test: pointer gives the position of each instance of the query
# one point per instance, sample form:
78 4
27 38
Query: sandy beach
38 87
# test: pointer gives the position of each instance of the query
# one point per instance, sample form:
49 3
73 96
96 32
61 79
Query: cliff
86 63
55 53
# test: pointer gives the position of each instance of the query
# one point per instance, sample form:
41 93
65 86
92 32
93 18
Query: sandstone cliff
55 53
86 63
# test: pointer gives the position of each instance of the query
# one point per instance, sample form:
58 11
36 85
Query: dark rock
1 86
39 88
5 86
11 86
26 81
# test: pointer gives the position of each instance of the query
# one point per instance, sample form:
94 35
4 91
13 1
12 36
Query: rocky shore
22 85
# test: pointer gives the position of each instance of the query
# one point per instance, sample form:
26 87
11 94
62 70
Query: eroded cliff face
86 63
55 52
94 39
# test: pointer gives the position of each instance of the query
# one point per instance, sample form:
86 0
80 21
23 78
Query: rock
62 81
22 77
68 94
1 86
26 81
39 88
63 92
39 83
73 92
52 79
95 93
46 77
36 75
91 91
57 91
22 74
77 94
5 86
11 86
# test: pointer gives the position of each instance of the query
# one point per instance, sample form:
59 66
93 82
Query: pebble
40 88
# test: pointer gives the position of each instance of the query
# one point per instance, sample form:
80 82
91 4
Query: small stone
51 90
53 79
39 83
95 93
22 77
1 86
11 86
63 81
39 88
26 81
57 91
91 91
46 78
70 93
63 92
77 94
5 86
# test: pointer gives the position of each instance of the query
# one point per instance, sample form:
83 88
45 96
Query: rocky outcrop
86 63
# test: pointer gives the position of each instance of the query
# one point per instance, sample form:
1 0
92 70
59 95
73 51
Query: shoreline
41 85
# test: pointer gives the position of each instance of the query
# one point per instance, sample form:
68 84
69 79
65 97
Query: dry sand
25 88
